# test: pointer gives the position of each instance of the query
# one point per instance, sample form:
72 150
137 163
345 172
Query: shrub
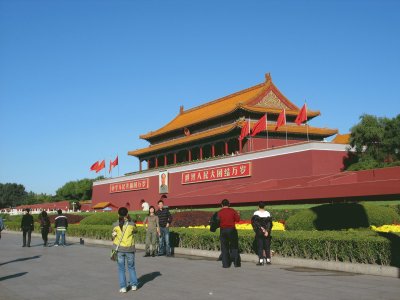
361 246
101 218
191 218
341 216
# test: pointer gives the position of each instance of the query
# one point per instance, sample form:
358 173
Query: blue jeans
164 247
62 233
129 257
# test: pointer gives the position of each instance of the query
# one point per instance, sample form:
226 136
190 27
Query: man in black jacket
61 225
27 227
164 219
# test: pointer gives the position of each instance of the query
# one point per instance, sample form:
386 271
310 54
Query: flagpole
105 171
285 124
308 138
266 127
118 164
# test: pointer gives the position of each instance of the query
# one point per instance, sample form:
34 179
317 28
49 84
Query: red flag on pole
261 125
94 166
101 166
113 164
281 119
302 116
245 130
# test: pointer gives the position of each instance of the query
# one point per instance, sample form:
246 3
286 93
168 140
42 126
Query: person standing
27 227
124 243
164 219
152 231
145 205
229 235
44 227
262 225
1 225
61 225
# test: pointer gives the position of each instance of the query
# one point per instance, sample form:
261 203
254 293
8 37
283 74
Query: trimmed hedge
342 216
358 246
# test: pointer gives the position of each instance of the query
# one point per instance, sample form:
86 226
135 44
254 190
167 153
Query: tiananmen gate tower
197 159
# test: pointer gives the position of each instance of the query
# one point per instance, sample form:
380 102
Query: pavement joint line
357 268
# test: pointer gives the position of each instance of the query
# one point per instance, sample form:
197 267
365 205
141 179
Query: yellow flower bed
276 226
386 228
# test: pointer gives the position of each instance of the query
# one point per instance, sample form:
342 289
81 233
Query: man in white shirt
145 205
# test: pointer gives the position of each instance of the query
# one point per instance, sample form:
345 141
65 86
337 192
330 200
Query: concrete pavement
85 272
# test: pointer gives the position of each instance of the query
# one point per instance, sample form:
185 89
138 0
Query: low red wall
264 172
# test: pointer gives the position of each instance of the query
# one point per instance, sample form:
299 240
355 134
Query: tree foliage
76 190
12 194
376 142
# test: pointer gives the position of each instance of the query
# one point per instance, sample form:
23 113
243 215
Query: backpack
214 222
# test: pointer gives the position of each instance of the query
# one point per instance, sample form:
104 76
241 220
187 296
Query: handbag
214 222
114 252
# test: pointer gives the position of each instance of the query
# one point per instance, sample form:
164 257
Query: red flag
281 119
113 164
245 130
302 116
261 125
94 166
101 166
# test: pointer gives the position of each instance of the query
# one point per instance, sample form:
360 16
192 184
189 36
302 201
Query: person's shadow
13 276
20 259
147 278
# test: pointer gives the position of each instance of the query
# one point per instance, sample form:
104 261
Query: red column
226 148
156 162
201 152
140 165
240 146
165 160
212 150
148 164
175 158
190 155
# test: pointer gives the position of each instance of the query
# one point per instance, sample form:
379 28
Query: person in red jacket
229 235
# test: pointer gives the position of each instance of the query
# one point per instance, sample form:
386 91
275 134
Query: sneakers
268 261
133 287
122 290
260 262
55 245
147 255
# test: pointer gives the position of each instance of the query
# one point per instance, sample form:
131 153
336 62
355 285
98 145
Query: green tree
12 194
376 142
76 190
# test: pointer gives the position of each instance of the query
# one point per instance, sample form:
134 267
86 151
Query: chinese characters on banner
131 185
217 173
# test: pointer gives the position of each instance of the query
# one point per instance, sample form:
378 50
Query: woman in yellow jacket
124 243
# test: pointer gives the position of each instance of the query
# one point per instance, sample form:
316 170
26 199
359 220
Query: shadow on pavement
147 278
13 276
20 259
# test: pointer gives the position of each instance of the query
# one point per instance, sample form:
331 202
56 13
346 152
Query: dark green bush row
342 216
358 246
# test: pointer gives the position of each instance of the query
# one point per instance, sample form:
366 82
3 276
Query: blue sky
80 80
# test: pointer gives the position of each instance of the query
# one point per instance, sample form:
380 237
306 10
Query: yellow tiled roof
184 140
342 139
291 128
223 106
101 205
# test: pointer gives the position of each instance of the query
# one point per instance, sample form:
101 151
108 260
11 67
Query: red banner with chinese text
217 173
131 185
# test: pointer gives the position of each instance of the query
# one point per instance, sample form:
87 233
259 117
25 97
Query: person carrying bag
124 250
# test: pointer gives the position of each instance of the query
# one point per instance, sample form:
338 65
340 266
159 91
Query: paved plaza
86 272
